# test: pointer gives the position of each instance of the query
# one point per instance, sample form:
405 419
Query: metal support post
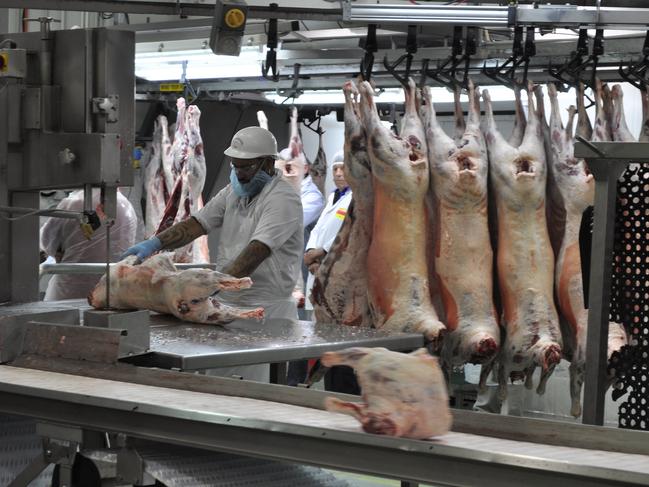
607 162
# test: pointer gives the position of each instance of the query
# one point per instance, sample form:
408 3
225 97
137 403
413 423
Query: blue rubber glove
143 249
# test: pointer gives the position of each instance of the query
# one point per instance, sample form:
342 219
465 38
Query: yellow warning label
172 87
4 62
234 18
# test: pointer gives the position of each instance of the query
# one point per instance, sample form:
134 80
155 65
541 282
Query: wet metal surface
190 346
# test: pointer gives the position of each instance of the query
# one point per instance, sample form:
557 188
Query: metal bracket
636 73
108 106
294 91
570 73
445 74
521 54
271 54
411 48
370 46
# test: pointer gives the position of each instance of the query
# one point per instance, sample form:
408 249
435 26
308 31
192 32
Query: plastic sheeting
62 238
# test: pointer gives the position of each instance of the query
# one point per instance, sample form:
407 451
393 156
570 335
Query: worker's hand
313 255
313 268
143 249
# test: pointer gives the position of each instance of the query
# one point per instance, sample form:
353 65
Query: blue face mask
252 187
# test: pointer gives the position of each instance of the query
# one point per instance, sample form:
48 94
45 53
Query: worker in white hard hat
260 217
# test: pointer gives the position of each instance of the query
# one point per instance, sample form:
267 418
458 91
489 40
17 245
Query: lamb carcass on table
403 394
525 259
157 285
339 292
397 267
189 171
463 258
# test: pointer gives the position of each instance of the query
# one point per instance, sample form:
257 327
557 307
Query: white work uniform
273 217
312 201
325 231
64 235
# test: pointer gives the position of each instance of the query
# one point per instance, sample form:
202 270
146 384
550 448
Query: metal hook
370 46
271 54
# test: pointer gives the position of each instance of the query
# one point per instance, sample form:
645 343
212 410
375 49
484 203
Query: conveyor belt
283 431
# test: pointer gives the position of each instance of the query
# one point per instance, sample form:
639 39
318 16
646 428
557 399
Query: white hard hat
339 158
252 142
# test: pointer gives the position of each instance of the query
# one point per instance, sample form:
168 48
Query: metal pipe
17 210
481 16
174 8
97 268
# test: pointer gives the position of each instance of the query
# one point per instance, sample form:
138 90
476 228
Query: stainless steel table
187 346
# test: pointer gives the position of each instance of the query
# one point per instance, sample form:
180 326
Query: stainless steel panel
14 116
51 108
71 50
191 346
95 156
5 262
115 75
15 63
24 251
12 326
31 109
136 324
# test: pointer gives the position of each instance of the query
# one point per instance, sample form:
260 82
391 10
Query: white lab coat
312 201
63 234
325 231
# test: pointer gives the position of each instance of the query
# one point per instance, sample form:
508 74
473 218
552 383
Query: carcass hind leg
529 377
352 409
349 357
576 381
503 375
485 370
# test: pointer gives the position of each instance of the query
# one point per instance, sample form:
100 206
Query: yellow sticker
340 214
172 87
4 62
235 18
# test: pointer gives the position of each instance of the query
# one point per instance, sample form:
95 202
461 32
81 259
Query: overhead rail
566 16
174 8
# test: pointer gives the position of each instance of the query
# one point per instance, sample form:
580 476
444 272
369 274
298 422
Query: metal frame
174 8
422 461
607 161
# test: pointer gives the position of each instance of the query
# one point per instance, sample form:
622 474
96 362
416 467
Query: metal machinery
66 121
133 376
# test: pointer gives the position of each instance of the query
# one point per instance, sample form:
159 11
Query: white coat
64 235
325 231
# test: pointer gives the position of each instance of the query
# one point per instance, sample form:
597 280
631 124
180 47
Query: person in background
319 243
62 239
332 217
260 217
296 170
